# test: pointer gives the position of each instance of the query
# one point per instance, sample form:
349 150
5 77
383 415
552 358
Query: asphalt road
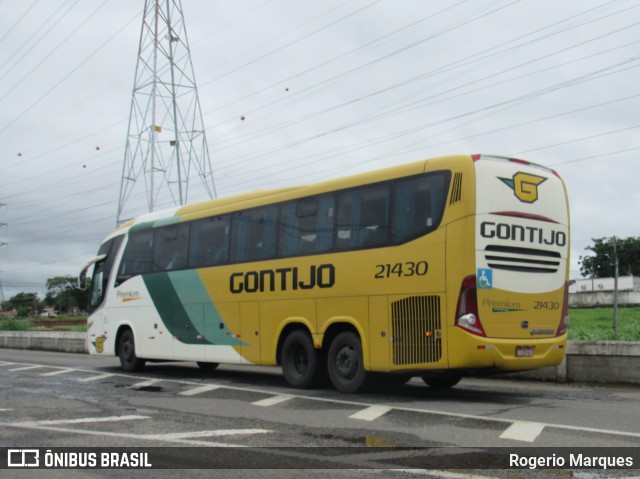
253 425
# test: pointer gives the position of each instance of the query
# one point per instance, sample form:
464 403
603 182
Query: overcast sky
325 89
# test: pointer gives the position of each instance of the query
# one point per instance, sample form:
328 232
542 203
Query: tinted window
170 247
209 242
363 217
138 255
254 234
306 226
418 205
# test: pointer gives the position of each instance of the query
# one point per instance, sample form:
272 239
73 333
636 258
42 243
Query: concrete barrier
595 362
44 341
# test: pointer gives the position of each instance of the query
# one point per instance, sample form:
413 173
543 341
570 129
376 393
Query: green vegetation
596 324
12 324
76 324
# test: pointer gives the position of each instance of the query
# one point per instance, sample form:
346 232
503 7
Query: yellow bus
441 268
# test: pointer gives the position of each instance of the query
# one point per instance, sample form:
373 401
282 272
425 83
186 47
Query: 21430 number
408 268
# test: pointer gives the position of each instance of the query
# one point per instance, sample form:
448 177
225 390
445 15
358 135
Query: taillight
564 319
467 316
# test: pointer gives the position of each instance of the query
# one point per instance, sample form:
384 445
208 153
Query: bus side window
170 247
306 226
209 243
363 218
418 205
138 255
254 234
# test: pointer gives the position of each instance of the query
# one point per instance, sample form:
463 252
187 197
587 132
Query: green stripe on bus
187 310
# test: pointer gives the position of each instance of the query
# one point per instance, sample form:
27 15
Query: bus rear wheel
299 360
127 352
345 363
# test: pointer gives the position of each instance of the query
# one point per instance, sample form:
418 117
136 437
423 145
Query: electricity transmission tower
166 150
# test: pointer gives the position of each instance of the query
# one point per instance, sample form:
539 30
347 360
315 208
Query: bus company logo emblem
99 344
524 186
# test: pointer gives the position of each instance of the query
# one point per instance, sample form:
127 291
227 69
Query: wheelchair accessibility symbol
485 278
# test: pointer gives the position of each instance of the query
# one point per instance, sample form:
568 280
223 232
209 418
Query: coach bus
442 268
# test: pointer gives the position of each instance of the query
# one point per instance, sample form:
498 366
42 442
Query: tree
24 303
601 263
63 295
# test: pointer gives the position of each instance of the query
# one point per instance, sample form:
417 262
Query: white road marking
371 413
25 368
56 373
272 401
145 384
214 433
87 432
523 431
83 420
199 390
96 378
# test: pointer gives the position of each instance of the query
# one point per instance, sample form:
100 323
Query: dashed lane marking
272 401
25 368
83 420
56 373
96 378
213 433
145 384
366 412
523 431
371 413
200 390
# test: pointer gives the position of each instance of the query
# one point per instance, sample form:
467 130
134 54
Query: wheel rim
127 351
300 361
347 363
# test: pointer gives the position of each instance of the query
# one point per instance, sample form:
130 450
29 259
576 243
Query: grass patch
76 324
596 324
12 324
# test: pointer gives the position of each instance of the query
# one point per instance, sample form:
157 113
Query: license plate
525 351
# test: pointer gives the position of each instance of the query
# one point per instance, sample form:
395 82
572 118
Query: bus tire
441 382
127 352
345 363
299 360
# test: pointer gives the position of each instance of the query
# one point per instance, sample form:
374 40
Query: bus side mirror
82 280
82 277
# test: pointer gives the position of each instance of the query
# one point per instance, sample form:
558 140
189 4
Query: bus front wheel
299 360
345 363
127 352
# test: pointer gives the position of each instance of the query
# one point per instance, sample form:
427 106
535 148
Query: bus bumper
476 352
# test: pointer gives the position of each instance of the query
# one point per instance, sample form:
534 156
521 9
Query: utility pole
166 147
2 243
